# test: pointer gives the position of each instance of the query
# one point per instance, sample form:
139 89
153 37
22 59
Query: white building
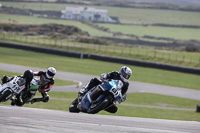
86 13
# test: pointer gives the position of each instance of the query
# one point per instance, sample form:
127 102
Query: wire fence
114 50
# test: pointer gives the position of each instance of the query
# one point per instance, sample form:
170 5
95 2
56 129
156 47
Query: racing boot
93 82
82 92
13 101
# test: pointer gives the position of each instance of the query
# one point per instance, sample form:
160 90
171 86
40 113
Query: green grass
167 32
160 100
149 16
189 59
125 15
156 113
93 67
58 82
62 100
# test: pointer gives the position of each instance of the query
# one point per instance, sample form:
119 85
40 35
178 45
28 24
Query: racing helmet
125 73
28 75
51 71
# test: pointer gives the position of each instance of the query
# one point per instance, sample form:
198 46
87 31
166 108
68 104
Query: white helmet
51 71
125 73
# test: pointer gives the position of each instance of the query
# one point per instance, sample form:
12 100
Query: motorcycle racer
46 83
28 76
123 75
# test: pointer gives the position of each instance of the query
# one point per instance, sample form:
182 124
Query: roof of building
78 10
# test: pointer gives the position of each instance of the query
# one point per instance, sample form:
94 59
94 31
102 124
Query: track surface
134 86
31 120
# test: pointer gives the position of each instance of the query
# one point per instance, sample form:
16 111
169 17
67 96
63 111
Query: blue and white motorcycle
98 98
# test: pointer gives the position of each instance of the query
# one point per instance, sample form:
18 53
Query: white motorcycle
11 88
28 94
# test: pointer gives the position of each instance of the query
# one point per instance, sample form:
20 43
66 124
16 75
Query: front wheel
6 96
73 106
98 107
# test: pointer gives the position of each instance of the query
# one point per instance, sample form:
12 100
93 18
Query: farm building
86 13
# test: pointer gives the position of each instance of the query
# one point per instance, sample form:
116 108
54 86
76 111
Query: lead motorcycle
98 98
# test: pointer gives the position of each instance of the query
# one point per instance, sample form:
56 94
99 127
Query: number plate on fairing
116 87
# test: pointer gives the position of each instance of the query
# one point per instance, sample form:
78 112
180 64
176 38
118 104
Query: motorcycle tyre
99 107
73 106
2 97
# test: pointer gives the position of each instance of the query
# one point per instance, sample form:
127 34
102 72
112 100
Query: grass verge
93 67
62 100
181 58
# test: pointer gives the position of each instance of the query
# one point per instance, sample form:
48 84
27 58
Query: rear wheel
95 108
4 97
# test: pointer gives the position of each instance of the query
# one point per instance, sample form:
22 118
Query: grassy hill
141 31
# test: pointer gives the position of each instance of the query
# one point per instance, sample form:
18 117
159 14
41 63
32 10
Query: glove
103 76
121 98
4 79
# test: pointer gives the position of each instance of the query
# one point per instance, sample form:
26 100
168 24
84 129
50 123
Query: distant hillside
195 3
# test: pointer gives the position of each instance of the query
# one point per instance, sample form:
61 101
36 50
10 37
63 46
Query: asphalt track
32 120
134 86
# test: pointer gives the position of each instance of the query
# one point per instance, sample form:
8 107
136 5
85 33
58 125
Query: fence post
199 60
44 41
169 56
81 56
21 38
38 40
114 48
15 36
183 58
138 51
155 54
163 55
9 36
99 47
60 43
55 42
190 59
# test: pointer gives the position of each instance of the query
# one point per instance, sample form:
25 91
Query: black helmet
28 75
